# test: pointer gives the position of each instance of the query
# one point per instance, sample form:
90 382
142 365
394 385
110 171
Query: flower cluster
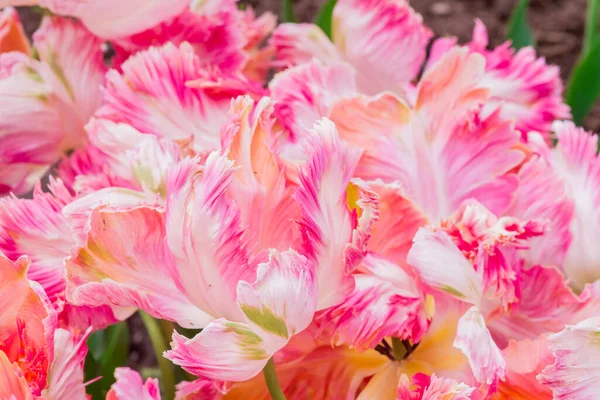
378 215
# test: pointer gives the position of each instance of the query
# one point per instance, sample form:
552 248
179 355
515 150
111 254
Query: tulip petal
574 374
124 263
441 265
129 386
474 339
332 237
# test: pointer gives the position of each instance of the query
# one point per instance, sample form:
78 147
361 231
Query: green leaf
518 31
287 11
584 86
591 24
108 349
324 17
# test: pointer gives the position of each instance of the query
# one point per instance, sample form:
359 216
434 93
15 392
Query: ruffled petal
385 302
152 96
542 195
436 150
260 186
209 263
523 87
305 94
65 378
432 388
545 305
576 162
217 33
386 42
574 374
337 215
36 227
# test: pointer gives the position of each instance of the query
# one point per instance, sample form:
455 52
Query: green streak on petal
60 74
248 341
267 320
452 291
33 74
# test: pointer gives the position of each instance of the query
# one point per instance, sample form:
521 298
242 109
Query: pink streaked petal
77 62
522 86
283 299
129 386
200 389
124 18
32 132
78 213
13 385
491 243
296 44
574 374
575 161
125 263
171 109
12 35
332 236
441 265
216 34
385 302
474 339
546 304
204 233
65 378
528 90
452 84
305 94
372 124
542 195
259 186
425 149
432 388
524 361
399 220
82 317
37 227
385 41
224 350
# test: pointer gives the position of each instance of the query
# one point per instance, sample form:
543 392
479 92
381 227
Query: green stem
160 345
272 381
398 349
